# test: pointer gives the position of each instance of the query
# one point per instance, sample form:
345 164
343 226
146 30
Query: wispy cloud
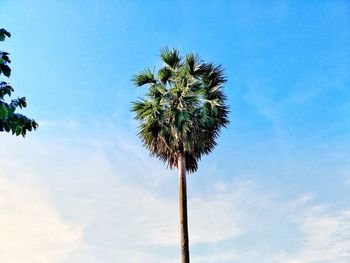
32 230
104 188
98 198
326 236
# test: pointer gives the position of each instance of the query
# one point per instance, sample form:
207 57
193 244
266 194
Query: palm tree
181 116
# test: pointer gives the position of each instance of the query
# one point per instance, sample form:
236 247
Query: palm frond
145 77
170 57
164 74
193 62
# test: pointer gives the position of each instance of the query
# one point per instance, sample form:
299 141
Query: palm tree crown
183 110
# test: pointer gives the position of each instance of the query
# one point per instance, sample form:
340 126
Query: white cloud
220 256
126 207
102 187
319 234
326 236
32 230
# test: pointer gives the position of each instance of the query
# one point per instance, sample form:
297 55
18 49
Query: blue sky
82 189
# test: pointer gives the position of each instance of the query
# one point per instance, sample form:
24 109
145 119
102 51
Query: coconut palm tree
180 117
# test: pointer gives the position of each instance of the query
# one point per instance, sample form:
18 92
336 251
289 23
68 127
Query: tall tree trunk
185 254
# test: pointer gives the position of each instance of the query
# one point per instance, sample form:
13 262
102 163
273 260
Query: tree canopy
183 110
10 120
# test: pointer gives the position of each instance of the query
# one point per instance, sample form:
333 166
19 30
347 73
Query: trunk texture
185 254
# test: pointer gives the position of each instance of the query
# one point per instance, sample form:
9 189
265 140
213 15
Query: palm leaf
170 57
145 77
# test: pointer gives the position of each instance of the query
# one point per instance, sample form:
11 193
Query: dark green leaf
18 130
5 69
3 112
3 33
7 127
